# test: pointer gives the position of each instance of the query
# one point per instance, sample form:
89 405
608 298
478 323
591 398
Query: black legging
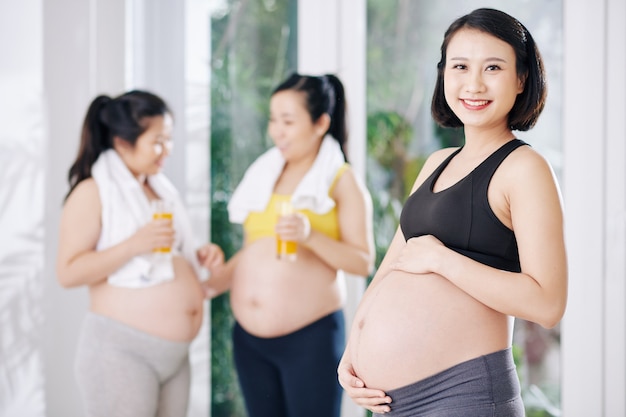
293 375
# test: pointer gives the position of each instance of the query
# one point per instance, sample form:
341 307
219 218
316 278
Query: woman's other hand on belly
374 400
418 256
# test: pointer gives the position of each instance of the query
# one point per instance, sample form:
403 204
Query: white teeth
476 103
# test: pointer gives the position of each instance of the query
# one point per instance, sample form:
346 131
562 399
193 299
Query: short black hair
529 66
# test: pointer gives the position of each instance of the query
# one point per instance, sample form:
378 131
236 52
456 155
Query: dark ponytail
106 118
338 114
324 94
94 139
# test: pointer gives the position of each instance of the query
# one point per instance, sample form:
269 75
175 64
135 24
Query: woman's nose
276 133
168 146
475 83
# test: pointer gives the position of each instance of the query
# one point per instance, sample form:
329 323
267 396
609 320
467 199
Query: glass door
253 45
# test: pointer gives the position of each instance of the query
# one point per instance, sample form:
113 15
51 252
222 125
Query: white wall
83 56
594 186
22 164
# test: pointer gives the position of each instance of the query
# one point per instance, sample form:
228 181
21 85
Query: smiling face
151 149
480 79
291 128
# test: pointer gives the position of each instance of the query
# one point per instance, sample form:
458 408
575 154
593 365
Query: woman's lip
475 104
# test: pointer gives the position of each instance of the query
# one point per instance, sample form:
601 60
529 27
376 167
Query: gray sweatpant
124 372
486 386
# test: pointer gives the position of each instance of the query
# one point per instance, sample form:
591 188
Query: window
253 49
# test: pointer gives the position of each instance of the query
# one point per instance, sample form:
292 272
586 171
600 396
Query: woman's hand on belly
416 256
374 400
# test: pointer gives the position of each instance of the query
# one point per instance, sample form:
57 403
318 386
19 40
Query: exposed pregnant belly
414 326
171 310
272 297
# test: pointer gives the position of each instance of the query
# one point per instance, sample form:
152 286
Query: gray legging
486 386
124 372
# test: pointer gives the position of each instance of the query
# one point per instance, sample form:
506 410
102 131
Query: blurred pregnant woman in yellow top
145 308
289 331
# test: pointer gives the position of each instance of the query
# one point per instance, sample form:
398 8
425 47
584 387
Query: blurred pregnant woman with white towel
142 271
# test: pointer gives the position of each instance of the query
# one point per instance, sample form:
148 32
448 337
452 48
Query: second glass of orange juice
285 249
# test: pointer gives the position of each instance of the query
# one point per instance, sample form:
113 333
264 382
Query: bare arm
354 252
210 256
221 278
78 262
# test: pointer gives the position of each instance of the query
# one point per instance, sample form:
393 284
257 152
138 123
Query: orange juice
158 216
285 249
162 210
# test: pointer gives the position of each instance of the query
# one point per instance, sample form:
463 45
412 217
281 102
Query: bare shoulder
348 183
84 196
436 158
347 176
527 176
527 162
432 162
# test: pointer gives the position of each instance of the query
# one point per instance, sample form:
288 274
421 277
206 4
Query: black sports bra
460 216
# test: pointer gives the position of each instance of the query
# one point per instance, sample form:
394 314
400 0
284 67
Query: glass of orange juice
285 249
162 209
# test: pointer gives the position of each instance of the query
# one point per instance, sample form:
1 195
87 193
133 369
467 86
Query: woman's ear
121 145
322 124
521 82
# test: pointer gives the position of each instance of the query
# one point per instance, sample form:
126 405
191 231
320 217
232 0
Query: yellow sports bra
261 224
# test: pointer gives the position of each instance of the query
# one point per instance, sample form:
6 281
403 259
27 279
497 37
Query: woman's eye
159 147
492 68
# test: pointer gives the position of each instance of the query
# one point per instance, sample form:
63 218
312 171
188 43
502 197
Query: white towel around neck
125 208
255 189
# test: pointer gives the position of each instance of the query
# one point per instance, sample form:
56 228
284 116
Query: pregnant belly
271 297
417 325
172 310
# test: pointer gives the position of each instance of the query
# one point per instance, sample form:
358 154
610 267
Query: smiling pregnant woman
480 242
